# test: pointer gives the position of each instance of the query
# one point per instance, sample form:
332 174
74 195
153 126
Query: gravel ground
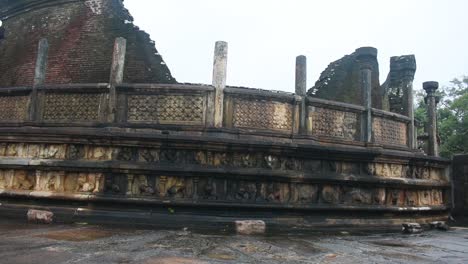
27 243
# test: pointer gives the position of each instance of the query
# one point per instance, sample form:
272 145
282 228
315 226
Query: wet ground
23 243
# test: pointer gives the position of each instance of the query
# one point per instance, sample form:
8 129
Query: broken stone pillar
431 101
39 77
301 89
219 80
399 90
116 74
366 56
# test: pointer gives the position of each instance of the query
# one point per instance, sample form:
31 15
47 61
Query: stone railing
217 106
157 105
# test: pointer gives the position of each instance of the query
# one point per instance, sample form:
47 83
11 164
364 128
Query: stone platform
23 244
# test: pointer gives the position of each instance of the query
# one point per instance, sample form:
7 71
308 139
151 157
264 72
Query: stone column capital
430 88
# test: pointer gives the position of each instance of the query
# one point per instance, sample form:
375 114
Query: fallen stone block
250 227
42 217
412 228
439 225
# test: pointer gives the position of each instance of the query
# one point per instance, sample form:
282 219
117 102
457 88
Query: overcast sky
265 36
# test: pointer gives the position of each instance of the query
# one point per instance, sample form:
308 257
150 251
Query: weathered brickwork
389 132
334 123
166 109
14 108
262 114
81 36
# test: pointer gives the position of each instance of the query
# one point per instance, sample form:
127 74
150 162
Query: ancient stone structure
460 187
100 131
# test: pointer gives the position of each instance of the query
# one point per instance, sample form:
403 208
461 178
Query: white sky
265 36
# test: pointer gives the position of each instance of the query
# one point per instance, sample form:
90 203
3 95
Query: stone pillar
219 80
431 101
301 89
407 70
365 56
39 78
116 75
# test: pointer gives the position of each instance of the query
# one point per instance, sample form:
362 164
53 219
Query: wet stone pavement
25 243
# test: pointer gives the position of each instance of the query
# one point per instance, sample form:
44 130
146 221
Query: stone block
250 227
39 216
411 228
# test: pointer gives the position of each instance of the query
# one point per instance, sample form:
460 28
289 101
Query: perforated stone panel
166 109
13 108
389 132
71 107
262 115
334 123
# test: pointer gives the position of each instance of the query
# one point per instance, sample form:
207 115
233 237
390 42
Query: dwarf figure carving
23 181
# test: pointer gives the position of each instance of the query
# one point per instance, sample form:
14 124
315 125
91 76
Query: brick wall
81 36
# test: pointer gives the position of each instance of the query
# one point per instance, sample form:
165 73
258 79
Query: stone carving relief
99 153
333 123
212 188
90 182
389 132
139 185
22 180
331 194
50 181
14 108
166 109
71 107
262 114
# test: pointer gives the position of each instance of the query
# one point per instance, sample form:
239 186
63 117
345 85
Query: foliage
452 114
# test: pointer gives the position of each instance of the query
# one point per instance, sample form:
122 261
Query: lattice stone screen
13 108
389 132
167 109
82 107
334 123
261 114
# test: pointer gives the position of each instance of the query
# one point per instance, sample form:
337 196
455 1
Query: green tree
452 114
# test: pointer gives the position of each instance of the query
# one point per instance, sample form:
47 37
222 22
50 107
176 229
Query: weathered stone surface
42 217
341 82
411 228
250 227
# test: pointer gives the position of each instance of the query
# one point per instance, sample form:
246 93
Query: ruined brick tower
81 34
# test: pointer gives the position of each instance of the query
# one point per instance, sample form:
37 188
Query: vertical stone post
219 80
365 56
407 70
301 89
39 78
431 101
116 75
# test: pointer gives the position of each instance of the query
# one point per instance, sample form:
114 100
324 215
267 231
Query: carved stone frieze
71 107
389 132
166 109
261 114
215 189
14 108
334 123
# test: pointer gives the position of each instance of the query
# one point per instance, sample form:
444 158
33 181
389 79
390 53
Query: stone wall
81 37
460 185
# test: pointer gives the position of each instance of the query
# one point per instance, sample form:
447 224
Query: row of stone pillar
365 55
